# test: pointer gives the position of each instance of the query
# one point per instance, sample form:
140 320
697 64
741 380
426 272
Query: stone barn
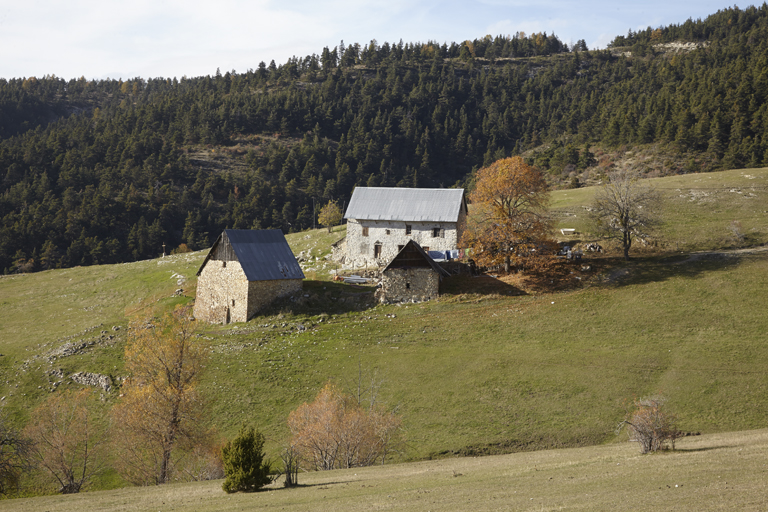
411 276
382 220
244 271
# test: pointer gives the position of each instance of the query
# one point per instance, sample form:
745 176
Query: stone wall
225 295
261 293
391 234
408 285
339 251
222 289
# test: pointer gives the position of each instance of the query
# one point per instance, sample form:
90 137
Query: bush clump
651 425
244 465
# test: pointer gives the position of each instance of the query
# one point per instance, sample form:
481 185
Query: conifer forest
106 171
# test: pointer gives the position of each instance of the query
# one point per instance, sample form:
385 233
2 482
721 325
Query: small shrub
651 425
181 249
244 464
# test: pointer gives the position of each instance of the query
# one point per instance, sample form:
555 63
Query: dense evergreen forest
108 171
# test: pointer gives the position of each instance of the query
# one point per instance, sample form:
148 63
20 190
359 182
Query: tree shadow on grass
320 485
705 449
479 285
646 270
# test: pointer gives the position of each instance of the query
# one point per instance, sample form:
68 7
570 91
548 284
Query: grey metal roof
406 204
263 254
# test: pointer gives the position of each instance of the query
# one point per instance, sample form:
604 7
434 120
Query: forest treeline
103 171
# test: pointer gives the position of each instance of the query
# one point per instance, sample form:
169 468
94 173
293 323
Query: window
377 250
407 286
426 249
400 248
365 231
233 302
387 231
438 232
407 229
223 264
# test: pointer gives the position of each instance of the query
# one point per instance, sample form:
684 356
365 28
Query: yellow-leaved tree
160 417
509 219
330 215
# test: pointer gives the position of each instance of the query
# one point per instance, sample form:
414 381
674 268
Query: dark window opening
377 251
365 231
437 233
407 286
407 229
400 248
223 264
387 231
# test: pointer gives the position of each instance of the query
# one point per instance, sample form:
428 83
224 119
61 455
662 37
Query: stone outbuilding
411 276
382 220
244 271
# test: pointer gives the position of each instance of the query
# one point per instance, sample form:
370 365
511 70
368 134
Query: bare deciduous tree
334 431
66 444
650 425
290 457
625 209
15 453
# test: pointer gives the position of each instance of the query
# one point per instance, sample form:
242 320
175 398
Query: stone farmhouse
244 271
411 276
381 221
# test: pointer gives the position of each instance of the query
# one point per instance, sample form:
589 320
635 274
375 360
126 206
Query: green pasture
483 370
709 472
697 212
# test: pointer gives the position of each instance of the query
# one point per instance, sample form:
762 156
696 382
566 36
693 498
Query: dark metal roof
406 204
263 254
405 255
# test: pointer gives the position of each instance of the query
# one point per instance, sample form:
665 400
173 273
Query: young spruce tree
244 464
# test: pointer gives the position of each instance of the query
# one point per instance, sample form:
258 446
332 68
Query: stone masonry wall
261 293
360 249
407 285
221 287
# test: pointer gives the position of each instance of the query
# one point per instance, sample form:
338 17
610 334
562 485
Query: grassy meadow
698 209
493 366
709 472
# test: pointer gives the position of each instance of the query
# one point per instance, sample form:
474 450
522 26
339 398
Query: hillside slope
475 372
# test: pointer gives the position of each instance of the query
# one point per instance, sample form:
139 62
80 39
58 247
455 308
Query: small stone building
382 220
244 271
411 276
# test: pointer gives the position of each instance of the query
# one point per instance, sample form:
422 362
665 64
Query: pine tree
244 465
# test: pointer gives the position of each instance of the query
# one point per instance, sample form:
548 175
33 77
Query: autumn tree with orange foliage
336 431
509 220
159 419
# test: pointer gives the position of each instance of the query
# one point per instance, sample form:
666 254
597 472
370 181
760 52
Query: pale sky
173 38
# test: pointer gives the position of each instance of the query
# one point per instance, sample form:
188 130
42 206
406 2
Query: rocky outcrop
93 379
